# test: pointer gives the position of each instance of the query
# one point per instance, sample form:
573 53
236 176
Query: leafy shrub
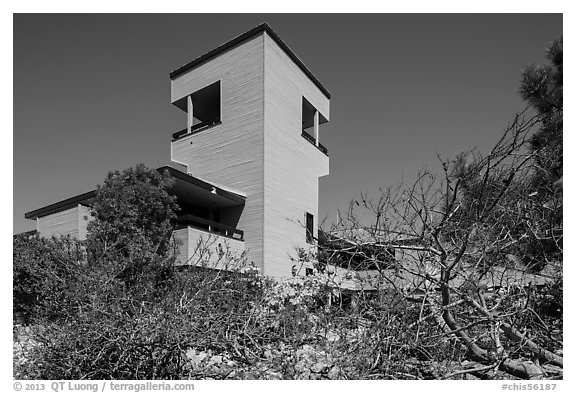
43 274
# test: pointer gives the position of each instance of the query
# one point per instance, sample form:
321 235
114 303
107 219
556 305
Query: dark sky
92 92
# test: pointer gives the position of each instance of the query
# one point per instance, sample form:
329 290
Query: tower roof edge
260 29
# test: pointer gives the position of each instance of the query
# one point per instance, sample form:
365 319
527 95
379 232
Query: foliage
43 274
121 334
134 214
542 88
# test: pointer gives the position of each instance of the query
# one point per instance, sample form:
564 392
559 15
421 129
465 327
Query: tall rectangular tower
253 124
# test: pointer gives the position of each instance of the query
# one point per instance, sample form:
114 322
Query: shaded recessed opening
308 112
309 228
205 103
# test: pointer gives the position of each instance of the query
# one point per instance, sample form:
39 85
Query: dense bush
203 323
89 323
44 272
142 331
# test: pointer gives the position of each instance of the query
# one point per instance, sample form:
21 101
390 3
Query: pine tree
542 88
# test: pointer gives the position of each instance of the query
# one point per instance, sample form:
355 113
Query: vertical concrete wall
292 165
231 154
71 222
200 248
84 218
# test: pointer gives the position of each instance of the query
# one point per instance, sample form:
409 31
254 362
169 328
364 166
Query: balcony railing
312 140
195 129
210 226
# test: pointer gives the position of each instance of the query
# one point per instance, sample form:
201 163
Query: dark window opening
308 112
309 271
203 108
206 105
311 120
309 228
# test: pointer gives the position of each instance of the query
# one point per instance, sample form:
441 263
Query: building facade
251 154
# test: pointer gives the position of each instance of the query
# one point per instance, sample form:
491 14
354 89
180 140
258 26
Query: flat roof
65 204
84 199
239 40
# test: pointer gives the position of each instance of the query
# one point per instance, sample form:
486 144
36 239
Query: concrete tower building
251 149
254 114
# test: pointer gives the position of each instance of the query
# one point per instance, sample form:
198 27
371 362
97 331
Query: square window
203 109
